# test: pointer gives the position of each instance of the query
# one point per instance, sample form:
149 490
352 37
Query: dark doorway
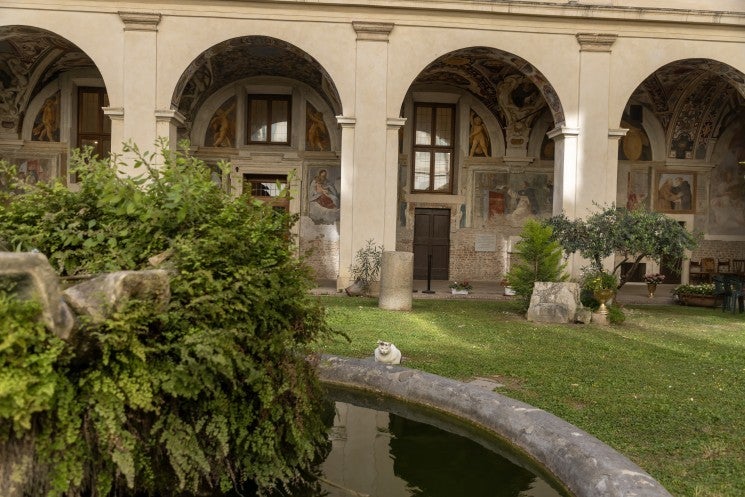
431 241
671 268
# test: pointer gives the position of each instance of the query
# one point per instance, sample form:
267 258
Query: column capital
395 122
113 112
170 116
562 131
372 31
617 133
140 21
596 42
346 122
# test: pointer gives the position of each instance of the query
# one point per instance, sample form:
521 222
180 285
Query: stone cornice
562 132
140 21
113 112
395 122
372 31
170 116
346 122
596 42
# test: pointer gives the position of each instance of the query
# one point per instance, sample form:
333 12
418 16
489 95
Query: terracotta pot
651 287
698 300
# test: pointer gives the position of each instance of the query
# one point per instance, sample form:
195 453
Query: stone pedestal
396 281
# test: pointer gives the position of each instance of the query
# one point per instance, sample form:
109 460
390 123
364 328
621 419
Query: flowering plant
655 278
462 285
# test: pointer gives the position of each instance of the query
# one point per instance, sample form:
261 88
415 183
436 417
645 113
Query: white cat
387 353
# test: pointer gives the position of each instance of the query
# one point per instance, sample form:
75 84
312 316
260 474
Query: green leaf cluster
210 394
539 259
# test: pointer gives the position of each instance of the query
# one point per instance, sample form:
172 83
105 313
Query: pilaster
597 165
140 60
369 176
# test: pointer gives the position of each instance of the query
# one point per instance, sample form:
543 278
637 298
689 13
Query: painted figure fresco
46 124
675 192
727 191
323 195
317 136
637 192
221 131
505 198
478 137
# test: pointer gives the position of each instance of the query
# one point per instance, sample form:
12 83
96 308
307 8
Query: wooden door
431 242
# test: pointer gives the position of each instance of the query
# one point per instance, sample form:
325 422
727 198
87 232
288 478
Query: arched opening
52 98
269 108
475 161
681 157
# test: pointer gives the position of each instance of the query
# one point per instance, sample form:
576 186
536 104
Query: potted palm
365 269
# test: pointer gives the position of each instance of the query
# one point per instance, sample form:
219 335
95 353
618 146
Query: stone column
565 170
346 205
370 175
396 281
596 167
166 125
140 79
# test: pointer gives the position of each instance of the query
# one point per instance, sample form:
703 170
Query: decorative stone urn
602 295
651 287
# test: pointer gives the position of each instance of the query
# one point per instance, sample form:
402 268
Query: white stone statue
387 353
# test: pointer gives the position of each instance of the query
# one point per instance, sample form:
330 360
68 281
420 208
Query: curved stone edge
581 462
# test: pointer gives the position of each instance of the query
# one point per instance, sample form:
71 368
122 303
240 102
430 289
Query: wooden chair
694 272
708 268
721 290
722 265
738 266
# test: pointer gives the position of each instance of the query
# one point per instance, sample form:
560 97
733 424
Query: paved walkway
630 293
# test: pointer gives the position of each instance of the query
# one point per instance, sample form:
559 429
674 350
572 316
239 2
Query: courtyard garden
665 388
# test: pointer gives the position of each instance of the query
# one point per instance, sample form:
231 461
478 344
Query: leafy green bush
366 266
539 259
210 394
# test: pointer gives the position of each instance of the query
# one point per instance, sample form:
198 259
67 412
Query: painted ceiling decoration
694 100
29 59
245 57
481 71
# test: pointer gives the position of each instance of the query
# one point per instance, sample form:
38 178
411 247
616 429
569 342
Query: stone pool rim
580 462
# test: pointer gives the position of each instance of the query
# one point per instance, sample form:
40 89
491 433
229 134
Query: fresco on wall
323 194
316 134
32 171
221 132
478 137
676 192
46 124
637 190
635 145
510 198
727 192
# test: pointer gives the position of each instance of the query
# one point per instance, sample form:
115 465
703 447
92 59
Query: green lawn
666 388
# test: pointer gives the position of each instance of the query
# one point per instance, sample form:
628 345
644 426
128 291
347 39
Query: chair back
738 266
721 284
723 265
708 265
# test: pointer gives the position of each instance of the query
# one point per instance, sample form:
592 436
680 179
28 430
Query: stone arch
219 97
691 99
244 57
32 61
475 68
